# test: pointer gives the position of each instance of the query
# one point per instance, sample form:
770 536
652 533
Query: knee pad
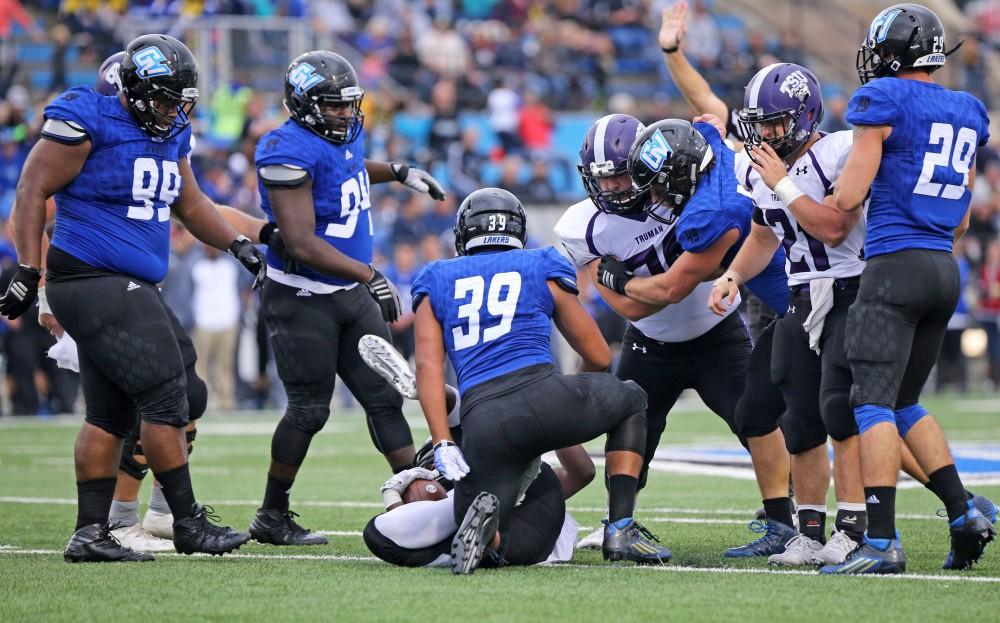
801 436
128 464
906 417
868 416
837 416
190 436
755 422
197 394
306 413
165 404
629 435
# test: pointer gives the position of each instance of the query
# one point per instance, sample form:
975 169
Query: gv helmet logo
150 63
655 151
304 77
879 29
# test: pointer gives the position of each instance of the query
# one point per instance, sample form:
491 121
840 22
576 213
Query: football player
667 348
914 147
490 311
109 247
314 182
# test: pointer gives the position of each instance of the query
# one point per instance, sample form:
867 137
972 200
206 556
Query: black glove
613 274
251 258
271 236
386 295
417 179
22 291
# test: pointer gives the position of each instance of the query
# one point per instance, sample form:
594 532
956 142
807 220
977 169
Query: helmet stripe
602 129
757 82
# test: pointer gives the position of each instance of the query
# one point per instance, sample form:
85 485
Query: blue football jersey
920 193
717 206
340 191
115 214
495 309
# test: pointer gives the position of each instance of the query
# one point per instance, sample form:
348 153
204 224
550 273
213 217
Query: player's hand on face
392 489
449 461
417 179
717 123
386 295
723 295
767 164
251 258
674 25
614 274
22 291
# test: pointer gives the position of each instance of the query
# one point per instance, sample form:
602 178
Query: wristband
266 231
730 276
43 302
787 191
677 45
391 497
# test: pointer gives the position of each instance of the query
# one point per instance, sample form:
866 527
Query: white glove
417 179
449 460
392 489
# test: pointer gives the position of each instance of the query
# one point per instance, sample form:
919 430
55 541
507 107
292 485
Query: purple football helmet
783 92
107 75
604 155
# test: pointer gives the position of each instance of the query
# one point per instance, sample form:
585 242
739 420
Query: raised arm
691 84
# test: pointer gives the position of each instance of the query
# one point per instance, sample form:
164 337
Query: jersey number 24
495 306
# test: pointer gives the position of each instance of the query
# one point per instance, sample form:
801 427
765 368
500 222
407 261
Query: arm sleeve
558 269
77 106
871 106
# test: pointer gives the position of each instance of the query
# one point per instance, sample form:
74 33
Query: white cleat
800 550
594 540
137 539
836 550
159 524
386 361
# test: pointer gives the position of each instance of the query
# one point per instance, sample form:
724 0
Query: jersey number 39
508 284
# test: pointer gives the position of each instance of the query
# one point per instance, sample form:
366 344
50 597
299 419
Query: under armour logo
637 347
804 169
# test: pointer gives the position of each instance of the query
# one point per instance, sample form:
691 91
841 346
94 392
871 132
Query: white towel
821 298
64 352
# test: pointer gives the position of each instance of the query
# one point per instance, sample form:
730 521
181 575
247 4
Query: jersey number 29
496 306
960 158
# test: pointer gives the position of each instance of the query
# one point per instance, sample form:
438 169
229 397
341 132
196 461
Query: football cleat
159 524
279 528
627 539
986 507
474 535
775 535
970 534
198 534
95 543
837 549
799 550
385 360
874 556
136 539
594 540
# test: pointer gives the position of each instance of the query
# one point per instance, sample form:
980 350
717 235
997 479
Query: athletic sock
852 518
276 493
621 490
94 500
157 502
124 514
881 505
178 491
946 483
779 510
812 521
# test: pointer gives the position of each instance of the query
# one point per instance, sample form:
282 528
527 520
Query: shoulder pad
62 131
283 175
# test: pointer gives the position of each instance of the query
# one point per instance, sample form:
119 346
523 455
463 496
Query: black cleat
970 534
279 528
197 534
474 535
627 539
94 543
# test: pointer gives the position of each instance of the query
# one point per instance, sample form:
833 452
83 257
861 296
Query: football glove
392 489
22 291
613 274
386 295
417 179
449 461
271 236
251 258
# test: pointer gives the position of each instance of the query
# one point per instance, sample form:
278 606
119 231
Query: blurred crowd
479 92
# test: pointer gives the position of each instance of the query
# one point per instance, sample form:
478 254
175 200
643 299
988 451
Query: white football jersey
814 173
649 247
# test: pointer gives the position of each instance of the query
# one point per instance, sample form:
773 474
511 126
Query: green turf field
697 516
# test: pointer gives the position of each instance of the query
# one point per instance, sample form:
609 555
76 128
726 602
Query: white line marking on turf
14 550
338 532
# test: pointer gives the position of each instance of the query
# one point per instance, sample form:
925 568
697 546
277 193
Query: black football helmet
666 161
159 78
490 218
904 36
320 79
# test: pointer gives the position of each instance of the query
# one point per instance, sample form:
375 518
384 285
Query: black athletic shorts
760 408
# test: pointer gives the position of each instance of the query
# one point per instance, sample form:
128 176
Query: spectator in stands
410 226
443 50
538 188
703 41
504 106
404 268
216 303
989 307
465 164
177 286
536 123
444 128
